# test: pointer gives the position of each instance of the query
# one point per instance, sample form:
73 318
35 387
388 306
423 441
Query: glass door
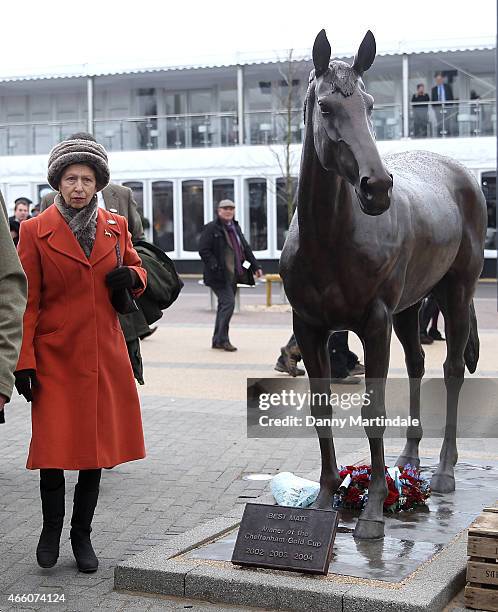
175 109
200 106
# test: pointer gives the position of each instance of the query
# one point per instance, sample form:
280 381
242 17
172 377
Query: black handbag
122 299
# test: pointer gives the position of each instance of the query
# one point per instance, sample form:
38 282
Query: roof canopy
238 58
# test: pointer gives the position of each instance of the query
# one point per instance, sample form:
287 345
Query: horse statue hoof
443 483
403 460
323 502
369 529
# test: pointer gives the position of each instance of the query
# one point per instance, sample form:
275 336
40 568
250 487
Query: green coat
13 291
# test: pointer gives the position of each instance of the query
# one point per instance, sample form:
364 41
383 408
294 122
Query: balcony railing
168 131
463 118
274 127
458 118
387 121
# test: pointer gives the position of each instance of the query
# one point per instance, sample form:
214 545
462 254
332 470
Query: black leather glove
25 381
122 278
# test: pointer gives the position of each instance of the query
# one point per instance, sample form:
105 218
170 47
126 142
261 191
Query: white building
185 136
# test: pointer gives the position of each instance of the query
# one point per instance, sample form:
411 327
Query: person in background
13 292
35 211
441 93
429 313
73 365
420 112
228 260
21 213
344 364
290 356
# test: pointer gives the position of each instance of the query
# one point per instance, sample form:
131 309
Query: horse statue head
340 110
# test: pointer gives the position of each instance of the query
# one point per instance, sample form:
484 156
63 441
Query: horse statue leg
376 337
406 326
312 343
455 302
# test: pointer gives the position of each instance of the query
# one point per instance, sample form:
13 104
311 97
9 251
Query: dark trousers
51 479
429 313
341 358
420 124
226 304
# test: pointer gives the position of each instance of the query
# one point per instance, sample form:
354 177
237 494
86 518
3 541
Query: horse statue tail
471 354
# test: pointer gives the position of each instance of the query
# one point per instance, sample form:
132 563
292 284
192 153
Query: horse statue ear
321 53
366 54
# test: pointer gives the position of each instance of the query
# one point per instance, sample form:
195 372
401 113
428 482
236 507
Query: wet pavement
412 538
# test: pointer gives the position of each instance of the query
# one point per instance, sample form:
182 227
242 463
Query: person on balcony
441 93
228 260
420 112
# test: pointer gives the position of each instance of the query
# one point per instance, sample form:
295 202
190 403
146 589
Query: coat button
111 221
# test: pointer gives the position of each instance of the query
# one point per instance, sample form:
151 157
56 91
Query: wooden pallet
481 591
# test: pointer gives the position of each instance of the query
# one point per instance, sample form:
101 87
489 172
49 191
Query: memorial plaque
279 537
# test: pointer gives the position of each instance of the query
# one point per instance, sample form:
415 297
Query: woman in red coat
74 365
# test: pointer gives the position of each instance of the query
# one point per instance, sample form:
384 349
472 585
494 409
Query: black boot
81 521
47 551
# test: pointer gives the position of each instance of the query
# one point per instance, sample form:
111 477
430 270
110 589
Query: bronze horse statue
369 240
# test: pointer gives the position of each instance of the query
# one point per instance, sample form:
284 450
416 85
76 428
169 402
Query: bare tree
287 101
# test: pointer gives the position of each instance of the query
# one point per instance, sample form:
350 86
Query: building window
137 188
147 129
258 215
176 106
488 184
223 189
162 211
193 213
42 190
286 196
200 109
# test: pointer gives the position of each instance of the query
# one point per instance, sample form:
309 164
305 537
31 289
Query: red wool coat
85 412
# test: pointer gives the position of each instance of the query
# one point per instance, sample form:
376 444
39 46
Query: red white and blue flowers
407 489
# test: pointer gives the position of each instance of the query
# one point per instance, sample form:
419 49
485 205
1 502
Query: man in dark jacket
440 94
228 260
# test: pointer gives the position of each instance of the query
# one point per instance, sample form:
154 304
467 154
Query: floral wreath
406 488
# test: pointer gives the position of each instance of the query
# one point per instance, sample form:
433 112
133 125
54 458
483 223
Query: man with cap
21 213
228 260
114 198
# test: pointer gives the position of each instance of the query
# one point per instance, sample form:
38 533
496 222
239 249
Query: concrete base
165 572
172 569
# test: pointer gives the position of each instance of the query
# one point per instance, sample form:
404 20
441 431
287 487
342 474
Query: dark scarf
82 221
235 242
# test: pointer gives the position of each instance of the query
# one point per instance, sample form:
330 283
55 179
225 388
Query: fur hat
78 151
